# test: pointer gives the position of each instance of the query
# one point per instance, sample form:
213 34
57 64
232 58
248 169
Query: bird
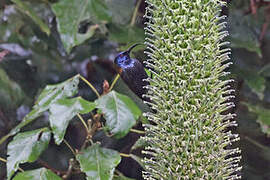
132 72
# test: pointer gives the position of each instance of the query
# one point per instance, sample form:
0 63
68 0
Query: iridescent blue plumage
132 72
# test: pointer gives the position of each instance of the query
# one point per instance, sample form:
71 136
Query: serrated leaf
24 8
98 163
69 14
63 110
37 174
263 116
26 147
49 95
119 111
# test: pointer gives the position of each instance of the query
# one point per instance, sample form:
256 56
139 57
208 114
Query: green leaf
263 116
37 174
118 15
69 15
265 71
120 112
98 163
10 92
49 95
254 81
63 110
26 147
243 31
127 35
24 8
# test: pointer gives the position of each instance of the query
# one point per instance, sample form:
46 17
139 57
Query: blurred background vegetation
48 41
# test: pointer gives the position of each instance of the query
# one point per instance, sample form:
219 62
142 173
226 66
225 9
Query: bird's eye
121 55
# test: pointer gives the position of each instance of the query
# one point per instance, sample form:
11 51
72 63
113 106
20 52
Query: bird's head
123 58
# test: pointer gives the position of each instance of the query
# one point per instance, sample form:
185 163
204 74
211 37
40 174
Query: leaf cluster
120 114
187 55
249 36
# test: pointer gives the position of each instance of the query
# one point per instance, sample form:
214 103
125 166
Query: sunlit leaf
69 15
49 95
37 174
63 110
26 147
98 163
24 8
119 111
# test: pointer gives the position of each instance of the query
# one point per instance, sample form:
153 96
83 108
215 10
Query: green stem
137 131
69 146
114 81
5 161
125 155
84 124
256 143
90 85
135 13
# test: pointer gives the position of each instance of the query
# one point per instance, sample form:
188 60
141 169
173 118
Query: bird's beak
133 46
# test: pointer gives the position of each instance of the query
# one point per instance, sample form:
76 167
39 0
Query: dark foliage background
36 58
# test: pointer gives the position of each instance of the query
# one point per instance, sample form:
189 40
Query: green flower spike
191 96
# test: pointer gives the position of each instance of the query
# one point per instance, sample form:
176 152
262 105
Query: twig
84 124
69 146
135 13
125 155
256 143
106 87
70 167
5 161
137 131
114 81
93 127
90 85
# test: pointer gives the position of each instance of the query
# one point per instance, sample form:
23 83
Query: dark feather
134 77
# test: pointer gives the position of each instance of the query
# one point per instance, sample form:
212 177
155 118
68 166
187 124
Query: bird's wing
134 77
